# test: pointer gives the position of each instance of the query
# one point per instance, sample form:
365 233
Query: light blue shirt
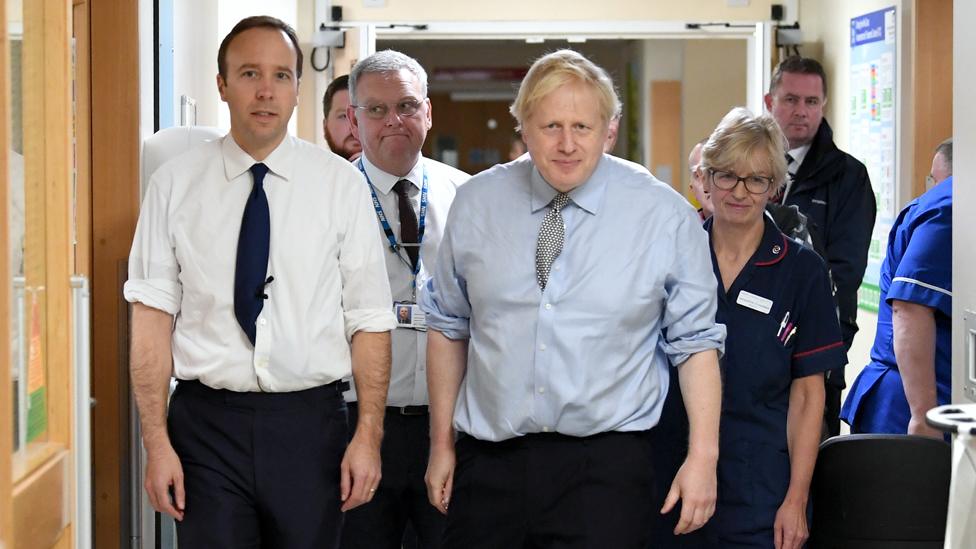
632 289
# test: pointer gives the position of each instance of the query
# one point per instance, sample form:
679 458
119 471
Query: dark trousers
401 499
261 470
831 410
552 491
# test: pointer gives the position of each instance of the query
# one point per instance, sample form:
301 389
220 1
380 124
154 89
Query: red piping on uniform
779 257
817 350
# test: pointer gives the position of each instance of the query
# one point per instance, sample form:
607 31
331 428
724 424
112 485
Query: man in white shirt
259 315
391 113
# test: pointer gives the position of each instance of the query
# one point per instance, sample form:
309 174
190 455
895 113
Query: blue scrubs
782 325
918 269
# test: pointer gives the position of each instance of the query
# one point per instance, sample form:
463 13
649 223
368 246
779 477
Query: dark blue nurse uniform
782 325
918 269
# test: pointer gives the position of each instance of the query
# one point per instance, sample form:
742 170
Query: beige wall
826 23
554 10
714 77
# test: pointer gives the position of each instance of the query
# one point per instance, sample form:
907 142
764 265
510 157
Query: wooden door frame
115 174
36 480
6 399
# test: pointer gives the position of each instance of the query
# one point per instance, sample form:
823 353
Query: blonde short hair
557 69
739 136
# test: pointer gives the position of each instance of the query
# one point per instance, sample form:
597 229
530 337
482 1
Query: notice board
874 121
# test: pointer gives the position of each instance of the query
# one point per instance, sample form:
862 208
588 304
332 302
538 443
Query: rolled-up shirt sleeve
153 268
445 298
689 315
367 303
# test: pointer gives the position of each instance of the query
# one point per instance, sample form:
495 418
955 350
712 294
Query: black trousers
261 470
832 409
401 499
552 491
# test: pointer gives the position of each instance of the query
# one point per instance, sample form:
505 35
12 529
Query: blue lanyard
388 231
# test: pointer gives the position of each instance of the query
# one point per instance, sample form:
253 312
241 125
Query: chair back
168 143
880 491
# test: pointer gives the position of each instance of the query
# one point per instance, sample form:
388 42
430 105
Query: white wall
199 28
964 193
195 42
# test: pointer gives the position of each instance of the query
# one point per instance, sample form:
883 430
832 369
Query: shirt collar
384 182
236 161
588 196
773 246
798 154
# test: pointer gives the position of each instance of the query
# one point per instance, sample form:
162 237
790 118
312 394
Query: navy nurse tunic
782 325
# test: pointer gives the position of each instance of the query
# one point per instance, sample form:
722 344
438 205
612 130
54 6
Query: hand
790 527
440 477
695 485
917 426
361 472
164 471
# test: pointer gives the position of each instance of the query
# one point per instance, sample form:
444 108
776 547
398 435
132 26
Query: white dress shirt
408 377
329 276
797 154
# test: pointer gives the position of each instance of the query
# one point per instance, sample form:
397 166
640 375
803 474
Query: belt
421 410
416 410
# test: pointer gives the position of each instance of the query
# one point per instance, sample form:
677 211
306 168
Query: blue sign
868 28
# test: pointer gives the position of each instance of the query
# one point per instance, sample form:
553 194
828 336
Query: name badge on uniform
410 315
754 302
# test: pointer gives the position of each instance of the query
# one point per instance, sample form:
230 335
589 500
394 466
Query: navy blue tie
252 255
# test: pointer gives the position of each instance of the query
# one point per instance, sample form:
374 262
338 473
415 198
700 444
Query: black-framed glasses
755 184
379 111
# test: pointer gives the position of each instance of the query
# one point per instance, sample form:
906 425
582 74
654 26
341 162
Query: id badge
410 315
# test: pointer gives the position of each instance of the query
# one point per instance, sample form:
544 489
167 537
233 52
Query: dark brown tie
408 221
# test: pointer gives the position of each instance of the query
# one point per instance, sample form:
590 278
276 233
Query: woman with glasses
775 300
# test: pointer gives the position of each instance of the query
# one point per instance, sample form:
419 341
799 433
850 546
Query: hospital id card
410 315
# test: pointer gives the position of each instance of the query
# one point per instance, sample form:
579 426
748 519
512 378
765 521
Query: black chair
880 492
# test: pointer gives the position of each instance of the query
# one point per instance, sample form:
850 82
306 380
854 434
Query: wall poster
874 118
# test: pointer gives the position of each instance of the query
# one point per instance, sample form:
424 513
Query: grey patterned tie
550 242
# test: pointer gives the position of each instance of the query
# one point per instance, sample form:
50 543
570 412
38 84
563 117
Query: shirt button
263 321
548 306
542 390
542 347
556 267
545 429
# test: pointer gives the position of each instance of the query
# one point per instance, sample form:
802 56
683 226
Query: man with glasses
831 188
391 114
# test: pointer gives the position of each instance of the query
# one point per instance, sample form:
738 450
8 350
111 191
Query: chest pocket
756 366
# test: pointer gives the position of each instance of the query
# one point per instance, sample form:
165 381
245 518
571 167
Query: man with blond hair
566 283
